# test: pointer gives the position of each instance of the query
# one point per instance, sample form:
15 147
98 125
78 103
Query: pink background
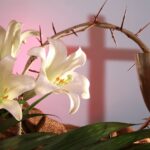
115 92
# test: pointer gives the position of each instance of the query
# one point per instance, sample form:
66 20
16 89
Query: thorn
113 37
54 30
131 67
74 32
142 28
34 71
122 23
145 124
40 40
29 62
95 19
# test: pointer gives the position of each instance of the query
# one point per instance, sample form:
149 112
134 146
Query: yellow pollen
5 97
57 79
63 81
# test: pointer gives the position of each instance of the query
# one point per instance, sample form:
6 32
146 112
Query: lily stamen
63 81
5 97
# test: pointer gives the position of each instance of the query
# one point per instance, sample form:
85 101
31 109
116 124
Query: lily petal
43 85
12 34
38 52
6 64
27 34
15 44
79 85
56 55
74 103
57 74
12 28
2 36
13 107
6 67
19 84
16 84
13 38
73 61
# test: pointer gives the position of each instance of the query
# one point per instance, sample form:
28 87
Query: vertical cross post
98 54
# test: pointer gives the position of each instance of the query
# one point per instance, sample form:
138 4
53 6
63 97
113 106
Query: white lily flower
12 38
11 86
57 73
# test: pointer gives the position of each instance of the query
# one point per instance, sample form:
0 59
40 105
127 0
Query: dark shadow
97 54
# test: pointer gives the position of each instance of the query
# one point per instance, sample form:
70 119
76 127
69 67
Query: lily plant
58 74
12 86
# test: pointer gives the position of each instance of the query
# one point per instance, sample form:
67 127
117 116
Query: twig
77 28
87 25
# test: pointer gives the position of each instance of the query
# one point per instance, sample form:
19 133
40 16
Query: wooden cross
98 54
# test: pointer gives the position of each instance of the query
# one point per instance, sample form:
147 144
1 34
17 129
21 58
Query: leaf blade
122 142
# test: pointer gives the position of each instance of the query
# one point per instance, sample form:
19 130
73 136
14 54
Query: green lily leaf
123 141
73 140
26 111
25 142
22 102
84 136
28 95
140 147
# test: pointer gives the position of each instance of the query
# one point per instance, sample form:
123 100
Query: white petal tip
38 52
81 54
85 95
73 111
19 118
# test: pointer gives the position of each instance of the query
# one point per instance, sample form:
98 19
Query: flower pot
143 69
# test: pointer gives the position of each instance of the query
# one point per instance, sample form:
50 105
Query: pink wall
115 93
